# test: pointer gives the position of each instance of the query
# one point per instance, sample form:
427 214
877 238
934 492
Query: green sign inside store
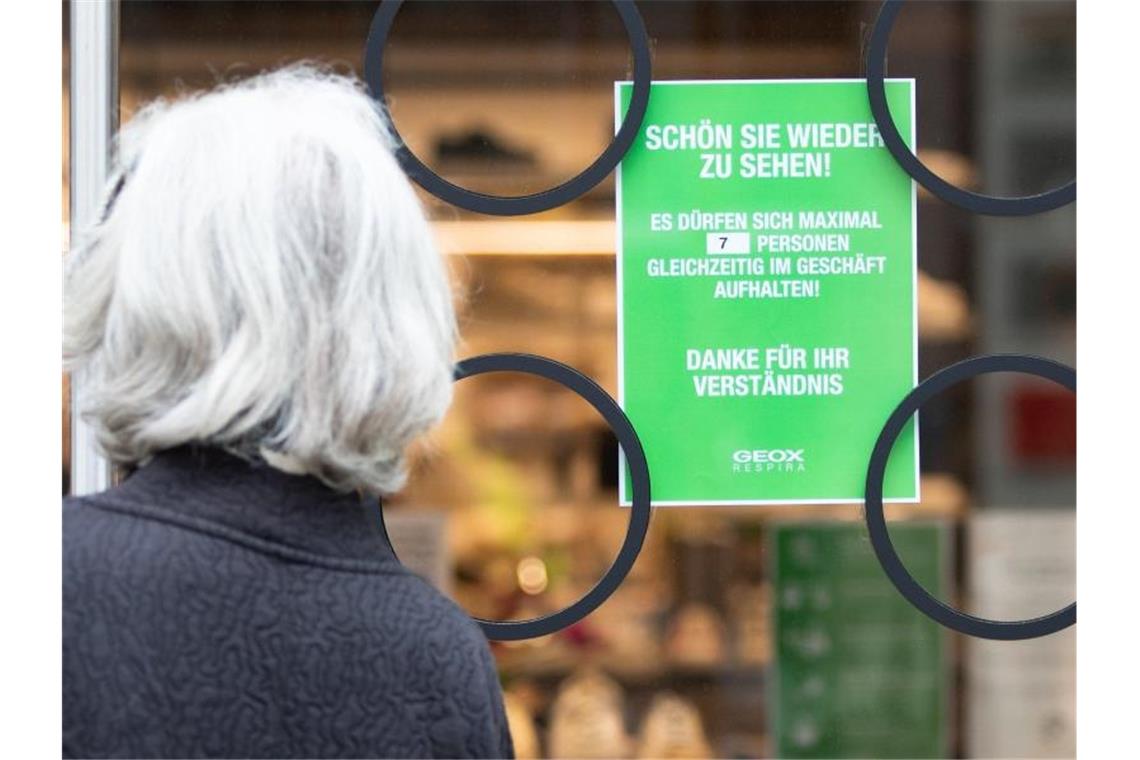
766 280
858 672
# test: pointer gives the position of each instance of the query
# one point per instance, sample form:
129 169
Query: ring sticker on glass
604 404
766 290
568 191
881 541
881 111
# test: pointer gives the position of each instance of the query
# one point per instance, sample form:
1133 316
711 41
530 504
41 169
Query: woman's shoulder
427 613
446 655
104 547
86 525
379 594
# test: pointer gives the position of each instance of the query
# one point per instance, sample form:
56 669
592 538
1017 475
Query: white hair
264 281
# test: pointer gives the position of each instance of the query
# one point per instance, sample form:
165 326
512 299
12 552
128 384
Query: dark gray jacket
214 608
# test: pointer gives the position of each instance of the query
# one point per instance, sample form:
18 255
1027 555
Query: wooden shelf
514 238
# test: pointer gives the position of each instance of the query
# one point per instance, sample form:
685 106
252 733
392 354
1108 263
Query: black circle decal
571 378
877 526
975 202
523 204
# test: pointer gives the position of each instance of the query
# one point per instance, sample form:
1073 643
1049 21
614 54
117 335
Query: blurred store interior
714 646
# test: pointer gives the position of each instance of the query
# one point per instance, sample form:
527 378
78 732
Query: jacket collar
297 511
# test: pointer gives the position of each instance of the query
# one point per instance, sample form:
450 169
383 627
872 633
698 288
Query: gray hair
265 281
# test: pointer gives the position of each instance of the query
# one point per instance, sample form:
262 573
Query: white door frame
94 93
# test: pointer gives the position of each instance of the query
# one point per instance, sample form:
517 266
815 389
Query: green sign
766 280
857 671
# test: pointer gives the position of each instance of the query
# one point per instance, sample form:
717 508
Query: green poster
766 281
857 671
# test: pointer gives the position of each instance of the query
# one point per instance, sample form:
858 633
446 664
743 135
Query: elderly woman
262 325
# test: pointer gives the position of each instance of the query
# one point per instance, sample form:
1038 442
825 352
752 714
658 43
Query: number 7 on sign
732 243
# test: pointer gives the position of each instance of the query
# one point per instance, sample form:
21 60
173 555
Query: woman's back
214 607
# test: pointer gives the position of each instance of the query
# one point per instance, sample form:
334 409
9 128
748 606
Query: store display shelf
620 667
581 237
943 497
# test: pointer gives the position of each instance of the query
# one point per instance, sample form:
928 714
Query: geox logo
768 460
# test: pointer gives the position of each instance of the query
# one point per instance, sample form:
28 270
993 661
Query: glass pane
742 631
